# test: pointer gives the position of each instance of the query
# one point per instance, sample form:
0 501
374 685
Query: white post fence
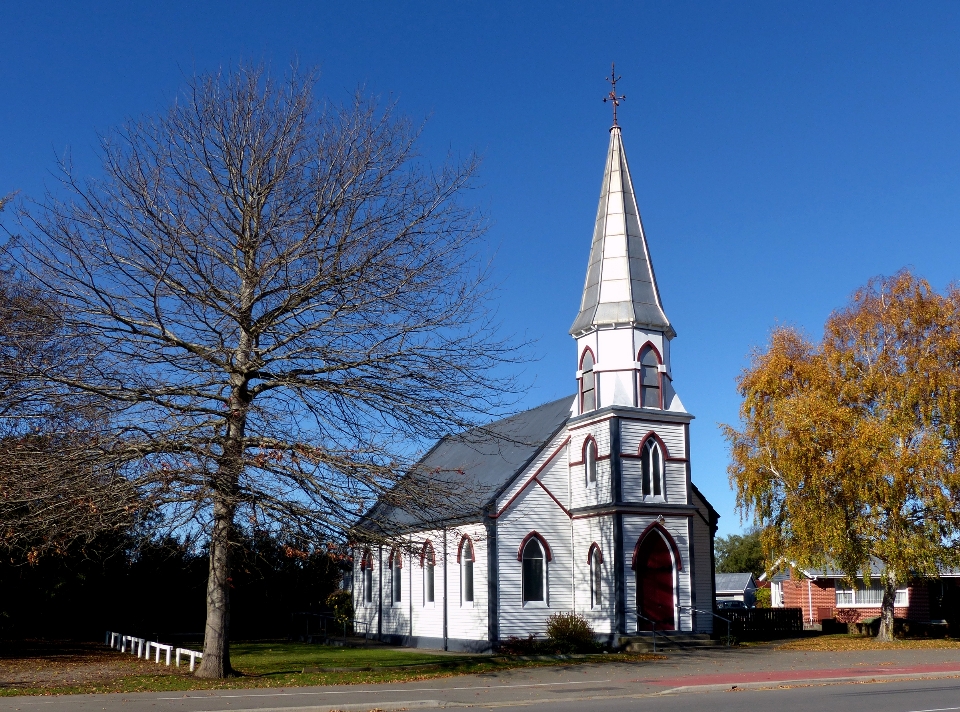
141 648
192 654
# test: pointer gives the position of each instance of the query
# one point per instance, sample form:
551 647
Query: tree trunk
885 634
216 643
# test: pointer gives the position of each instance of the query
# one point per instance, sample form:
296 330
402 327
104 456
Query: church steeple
620 288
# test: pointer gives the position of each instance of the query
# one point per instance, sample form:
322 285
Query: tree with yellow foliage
850 448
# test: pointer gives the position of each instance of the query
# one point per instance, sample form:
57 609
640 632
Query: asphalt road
898 681
931 695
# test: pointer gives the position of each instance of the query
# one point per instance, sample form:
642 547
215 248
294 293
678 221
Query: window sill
430 604
467 604
869 605
535 604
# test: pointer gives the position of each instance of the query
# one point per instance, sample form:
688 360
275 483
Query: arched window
396 572
650 378
466 570
596 576
590 460
651 460
533 571
588 383
429 562
366 568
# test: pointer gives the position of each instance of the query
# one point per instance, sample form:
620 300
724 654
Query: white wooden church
585 504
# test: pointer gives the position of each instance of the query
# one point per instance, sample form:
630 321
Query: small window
650 379
366 566
588 391
596 578
396 577
429 563
533 571
651 461
590 460
466 571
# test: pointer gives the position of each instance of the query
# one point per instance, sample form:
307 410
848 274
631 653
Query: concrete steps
668 641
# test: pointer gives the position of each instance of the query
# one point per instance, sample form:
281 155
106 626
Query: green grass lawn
267 664
279 658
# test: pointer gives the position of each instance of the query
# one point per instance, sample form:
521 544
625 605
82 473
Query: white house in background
581 505
736 587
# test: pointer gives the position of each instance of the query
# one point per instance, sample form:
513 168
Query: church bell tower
622 331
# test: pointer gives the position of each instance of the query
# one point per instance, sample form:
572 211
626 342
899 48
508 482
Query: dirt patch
47 664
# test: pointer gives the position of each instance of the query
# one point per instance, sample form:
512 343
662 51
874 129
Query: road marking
406 689
938 709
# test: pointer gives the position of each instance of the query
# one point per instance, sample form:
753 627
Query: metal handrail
327 616
710 613
653 629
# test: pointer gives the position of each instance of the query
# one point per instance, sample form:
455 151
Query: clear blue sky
783 153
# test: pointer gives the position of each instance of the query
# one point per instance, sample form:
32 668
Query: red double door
654 567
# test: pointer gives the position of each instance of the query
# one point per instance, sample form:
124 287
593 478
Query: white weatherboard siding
633 435
583 494
633 527
586 532
533 510
703 575
427 617
468 621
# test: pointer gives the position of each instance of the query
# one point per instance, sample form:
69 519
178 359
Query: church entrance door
655 577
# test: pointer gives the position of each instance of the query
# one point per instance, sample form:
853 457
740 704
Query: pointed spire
620 287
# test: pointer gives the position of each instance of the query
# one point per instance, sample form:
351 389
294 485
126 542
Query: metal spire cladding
620 288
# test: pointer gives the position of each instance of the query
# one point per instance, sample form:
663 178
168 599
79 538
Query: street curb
352 707
808 681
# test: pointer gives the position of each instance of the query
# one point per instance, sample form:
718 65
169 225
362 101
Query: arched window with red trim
396 576
651 465
366 571
588 382
590 460
466 558
429 560
534 571
650 378
596 576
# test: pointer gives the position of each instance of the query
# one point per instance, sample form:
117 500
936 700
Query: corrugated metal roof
476 465
733 583
620 287
830 571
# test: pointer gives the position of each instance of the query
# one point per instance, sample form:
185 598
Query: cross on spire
612 96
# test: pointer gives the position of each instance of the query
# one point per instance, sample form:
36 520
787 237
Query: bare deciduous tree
280 301
58 484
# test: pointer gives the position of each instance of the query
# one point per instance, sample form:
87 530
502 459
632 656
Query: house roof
620 287
476 464
733 583
782 569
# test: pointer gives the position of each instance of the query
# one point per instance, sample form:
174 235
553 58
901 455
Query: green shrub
341 602
570 633
763 597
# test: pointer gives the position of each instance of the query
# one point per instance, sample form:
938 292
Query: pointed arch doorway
655 569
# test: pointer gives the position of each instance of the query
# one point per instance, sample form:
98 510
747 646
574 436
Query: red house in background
822 595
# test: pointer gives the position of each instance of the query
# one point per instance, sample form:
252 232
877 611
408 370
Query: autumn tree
282 302
848 448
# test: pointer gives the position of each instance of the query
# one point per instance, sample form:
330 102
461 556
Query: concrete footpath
589 684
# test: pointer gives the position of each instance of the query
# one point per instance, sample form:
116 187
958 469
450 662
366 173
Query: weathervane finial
612 96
